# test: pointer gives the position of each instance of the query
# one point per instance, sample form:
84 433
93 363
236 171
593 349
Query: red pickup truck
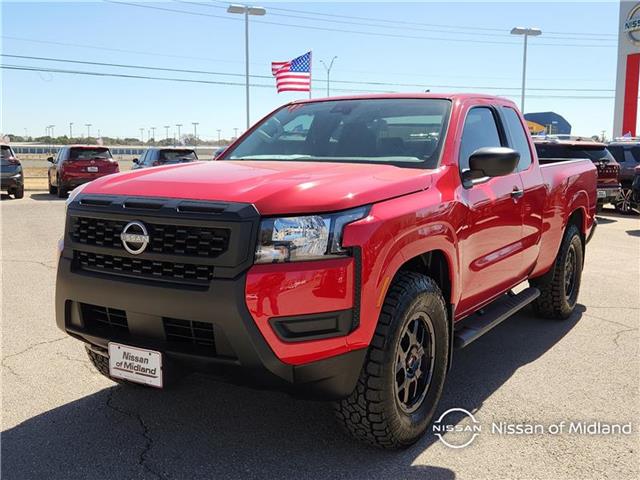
342 248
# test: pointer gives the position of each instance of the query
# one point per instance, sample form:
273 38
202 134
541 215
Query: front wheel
405 368
559 296
18 192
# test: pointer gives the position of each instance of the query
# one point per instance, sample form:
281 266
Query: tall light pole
141 135
166 129
219 136
526 32
153 133
195 132
328 69
88 125
235 132
70 130
178 125
246 11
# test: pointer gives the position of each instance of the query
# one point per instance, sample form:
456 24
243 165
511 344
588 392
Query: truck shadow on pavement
205 429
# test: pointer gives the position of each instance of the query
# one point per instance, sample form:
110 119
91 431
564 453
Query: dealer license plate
602 193
135 364
92 169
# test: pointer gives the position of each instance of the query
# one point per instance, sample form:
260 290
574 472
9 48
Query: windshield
594 153
403 132
89 153
7 153
177 155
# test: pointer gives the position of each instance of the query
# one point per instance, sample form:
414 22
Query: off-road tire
372 412
62 192
553 301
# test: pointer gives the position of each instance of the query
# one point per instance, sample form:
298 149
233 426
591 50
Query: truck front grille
187 240
182 273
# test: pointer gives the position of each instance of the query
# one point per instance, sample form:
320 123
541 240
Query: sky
381 46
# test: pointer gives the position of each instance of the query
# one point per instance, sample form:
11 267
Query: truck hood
274 187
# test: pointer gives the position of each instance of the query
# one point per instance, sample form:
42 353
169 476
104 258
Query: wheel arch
436 265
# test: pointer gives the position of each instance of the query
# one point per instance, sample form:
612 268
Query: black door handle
517 193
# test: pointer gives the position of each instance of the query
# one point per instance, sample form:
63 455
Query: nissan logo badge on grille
134 237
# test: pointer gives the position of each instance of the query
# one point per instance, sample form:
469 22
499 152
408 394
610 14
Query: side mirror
50 159
135 160
491 162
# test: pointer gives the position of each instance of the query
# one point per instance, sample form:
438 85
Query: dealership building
625 121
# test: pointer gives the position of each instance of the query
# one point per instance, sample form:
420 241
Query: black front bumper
12 182
240 354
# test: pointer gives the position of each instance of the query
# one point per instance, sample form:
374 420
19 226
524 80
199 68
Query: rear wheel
624 201
558 297
62 192
19 192
405 368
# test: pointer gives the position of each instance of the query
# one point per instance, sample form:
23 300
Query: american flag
293 76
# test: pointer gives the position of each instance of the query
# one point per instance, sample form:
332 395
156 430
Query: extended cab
341 249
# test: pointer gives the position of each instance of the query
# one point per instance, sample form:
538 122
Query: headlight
290 239
74 193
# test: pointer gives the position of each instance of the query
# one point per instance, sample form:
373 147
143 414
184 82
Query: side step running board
492 315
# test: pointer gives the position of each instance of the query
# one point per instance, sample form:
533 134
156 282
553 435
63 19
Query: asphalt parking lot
61 419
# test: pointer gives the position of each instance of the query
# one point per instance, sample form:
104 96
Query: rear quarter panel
571 186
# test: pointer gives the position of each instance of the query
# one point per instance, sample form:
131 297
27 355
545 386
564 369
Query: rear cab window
519 137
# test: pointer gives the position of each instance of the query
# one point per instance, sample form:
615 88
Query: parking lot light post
88 125
526 32
246 11
70 130
178 125
328 69
153 133
195 132
142 135
166 129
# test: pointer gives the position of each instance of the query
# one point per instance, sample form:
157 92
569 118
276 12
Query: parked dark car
627 154
11 173
635 187
77 164
608 169
154 157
